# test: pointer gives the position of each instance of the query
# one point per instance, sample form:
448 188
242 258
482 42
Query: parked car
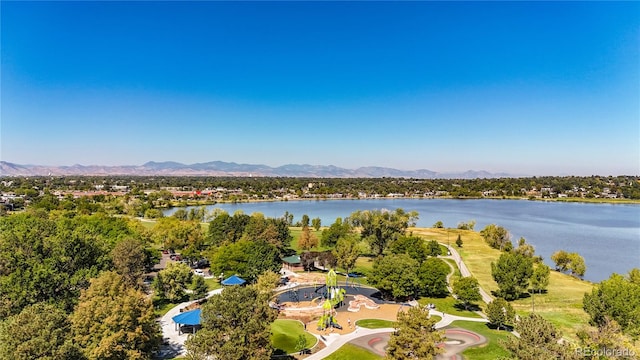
198 272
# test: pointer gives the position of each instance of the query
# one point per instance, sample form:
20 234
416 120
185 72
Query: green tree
413 246
459 241
267 282
225 228
576 264
51 260
381 227
617 298
500 313
337 230
434 248
540 278
305 220
607 339
433 277
200 288
113 321
172 281
415 336
316 223
438 225
395 275
301 343
39 331
241 334
129 260
467 290
469 225
561 259
176 234
512 272
539 340
496 236
525 249
346 252
572 262
246 258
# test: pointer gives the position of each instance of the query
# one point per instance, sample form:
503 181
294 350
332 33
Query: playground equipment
334 297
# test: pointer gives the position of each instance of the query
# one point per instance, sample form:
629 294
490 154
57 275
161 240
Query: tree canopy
467 290
500 313
415 336
432 275
380 227
512 272
51 259
39 331
617 298
235 326
496 236
395 275
539 340
113 321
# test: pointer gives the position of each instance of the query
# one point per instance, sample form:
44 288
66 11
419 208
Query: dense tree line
70 287
272 187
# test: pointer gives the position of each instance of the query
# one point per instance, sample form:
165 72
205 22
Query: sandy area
386 312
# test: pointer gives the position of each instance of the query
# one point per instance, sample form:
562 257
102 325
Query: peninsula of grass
375 323
285 334
561 304
350 352
492 349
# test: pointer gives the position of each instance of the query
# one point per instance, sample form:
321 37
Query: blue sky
541 88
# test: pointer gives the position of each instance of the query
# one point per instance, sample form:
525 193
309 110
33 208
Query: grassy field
285 333
375 323
490 350
562 304
350 352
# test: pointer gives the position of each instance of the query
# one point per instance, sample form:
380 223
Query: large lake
606 235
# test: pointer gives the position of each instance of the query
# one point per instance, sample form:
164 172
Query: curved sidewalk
464 271
334 341
173 342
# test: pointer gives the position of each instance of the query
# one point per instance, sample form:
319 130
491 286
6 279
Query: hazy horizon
532 88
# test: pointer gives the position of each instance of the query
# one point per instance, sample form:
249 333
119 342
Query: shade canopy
188 318
233 280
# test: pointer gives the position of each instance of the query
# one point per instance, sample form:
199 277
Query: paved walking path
173 342
464 271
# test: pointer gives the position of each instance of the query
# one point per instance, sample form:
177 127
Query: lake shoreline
552 200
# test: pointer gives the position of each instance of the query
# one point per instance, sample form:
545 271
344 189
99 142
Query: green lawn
562 304
448 305
375 323
285 333
456 273
295 234
212 283
161 307
489 351
350 352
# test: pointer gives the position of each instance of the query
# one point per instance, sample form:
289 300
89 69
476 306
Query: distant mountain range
221 168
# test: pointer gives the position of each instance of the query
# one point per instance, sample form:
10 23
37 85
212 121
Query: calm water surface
606 235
